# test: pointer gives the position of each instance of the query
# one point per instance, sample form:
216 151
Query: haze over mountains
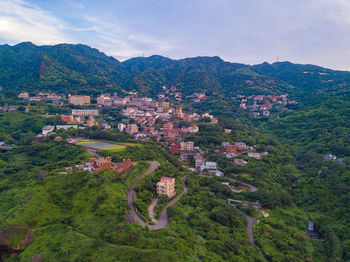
26 66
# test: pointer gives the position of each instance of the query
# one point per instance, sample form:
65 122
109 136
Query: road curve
153 166
251 222
251 187
163 221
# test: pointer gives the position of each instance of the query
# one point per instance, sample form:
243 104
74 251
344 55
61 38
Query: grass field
103 145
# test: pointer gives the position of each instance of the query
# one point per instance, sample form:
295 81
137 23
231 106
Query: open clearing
102 145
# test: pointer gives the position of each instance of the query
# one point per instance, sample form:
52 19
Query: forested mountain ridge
27 67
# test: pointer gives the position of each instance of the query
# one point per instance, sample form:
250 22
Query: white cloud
118 41
20 21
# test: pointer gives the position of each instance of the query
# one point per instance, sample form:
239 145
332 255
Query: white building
84 112
211 166
66 127
121 127
47 129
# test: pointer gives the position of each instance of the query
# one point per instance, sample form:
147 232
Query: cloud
119 41
20 21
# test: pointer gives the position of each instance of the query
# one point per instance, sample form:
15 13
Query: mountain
307 78
82 69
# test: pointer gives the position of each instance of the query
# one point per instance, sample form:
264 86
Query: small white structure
211 166
66 127
47 129
121 127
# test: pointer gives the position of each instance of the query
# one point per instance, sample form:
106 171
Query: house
225 144
23 95
218 173
211 166
47 129
132 129
66 127
121 127
232 149
240 162
166 186
168 126
174 148
186 146
241 145
254 155
106 126
228 131
193 129
199 161
97 165
184 157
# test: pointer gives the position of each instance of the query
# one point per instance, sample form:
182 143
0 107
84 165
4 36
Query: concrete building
47 129
66 127
79 100
132 129
186 146
211 166
23 95
166 186
168 126
193 129
84 112
199 161
121 127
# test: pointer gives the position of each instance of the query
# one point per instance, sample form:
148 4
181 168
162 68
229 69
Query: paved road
163 221
251 222
92 152
251 187
153 166
151 210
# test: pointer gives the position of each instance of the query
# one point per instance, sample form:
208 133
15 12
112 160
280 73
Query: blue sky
246 31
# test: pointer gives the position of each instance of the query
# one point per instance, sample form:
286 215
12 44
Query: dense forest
27 67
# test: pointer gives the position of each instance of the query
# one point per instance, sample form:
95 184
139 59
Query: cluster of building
334 158
56 98
240 148
42 96
48 130
82 116
8 109
261 105
100 164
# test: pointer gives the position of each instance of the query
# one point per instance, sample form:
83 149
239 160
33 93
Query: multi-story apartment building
132 129
186 146
166 186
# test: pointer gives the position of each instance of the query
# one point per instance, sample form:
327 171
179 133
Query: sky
244 31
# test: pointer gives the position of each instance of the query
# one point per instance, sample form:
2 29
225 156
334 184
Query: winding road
163 221
251 220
